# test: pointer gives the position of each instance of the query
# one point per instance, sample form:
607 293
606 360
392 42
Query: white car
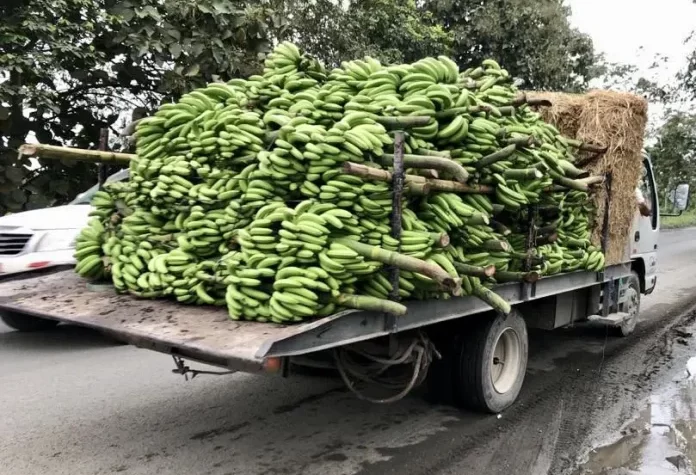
45 238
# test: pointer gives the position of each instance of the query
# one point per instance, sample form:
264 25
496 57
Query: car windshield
86 197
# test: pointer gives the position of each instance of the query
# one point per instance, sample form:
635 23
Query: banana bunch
238 196
445 212
88 250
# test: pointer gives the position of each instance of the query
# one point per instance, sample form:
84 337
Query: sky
634 31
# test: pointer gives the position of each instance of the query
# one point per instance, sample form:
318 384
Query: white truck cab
45 238
643 240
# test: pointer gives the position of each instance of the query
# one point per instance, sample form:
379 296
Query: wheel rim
505 363
631 306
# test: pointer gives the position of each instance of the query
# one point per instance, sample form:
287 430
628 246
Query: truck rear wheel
490 361
26 323
631 306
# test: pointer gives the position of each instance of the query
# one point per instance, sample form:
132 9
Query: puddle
662 438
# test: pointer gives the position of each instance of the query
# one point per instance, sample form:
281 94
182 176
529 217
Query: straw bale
617 121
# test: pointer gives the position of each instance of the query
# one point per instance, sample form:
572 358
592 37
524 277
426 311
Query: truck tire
26 323
490 361
631 306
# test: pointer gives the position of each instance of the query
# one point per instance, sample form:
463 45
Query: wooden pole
376 174
78 154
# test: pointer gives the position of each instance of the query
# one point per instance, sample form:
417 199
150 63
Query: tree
532 39
72 67
674 152
393 31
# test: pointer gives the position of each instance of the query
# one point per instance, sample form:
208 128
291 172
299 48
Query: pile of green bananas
240 194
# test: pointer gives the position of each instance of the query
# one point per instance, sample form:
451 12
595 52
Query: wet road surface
76 403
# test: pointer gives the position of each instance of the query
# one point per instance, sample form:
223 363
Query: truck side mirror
681 197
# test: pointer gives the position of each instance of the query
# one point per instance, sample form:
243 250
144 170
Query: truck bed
206 334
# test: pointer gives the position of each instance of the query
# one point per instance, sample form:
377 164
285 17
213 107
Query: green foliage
684 220
72 67
674 153
393 31
533 39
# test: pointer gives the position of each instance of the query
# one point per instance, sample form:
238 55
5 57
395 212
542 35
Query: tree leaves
175 50
192 70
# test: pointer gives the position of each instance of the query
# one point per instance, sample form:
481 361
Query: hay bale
564 112
617 121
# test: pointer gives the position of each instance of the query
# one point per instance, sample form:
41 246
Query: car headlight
58 240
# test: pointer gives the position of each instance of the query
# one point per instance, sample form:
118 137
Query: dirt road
75 403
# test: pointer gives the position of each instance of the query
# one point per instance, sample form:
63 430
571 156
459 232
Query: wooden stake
78 154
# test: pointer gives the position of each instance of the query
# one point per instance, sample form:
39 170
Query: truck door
646 228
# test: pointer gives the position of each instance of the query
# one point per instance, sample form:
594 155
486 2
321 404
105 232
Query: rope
418 353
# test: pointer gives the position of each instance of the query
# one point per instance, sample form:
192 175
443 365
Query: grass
687 218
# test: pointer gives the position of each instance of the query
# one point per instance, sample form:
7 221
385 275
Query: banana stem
546 229
567 182
497 209
549 239
496 245
588 147
525 141
500 227
492 299
522 98
424 161
370 304
523 174
434 153
440 239
403 122
592 180
406 263
417 189
501 154
428 173
474 271
571 170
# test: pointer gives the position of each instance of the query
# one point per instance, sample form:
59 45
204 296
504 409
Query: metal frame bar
395 220
356 326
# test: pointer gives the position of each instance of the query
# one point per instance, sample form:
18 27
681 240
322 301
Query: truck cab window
647 188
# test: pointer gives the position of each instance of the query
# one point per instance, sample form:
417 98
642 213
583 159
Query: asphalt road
75 403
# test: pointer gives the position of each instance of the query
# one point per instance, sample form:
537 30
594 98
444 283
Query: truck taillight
272 365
